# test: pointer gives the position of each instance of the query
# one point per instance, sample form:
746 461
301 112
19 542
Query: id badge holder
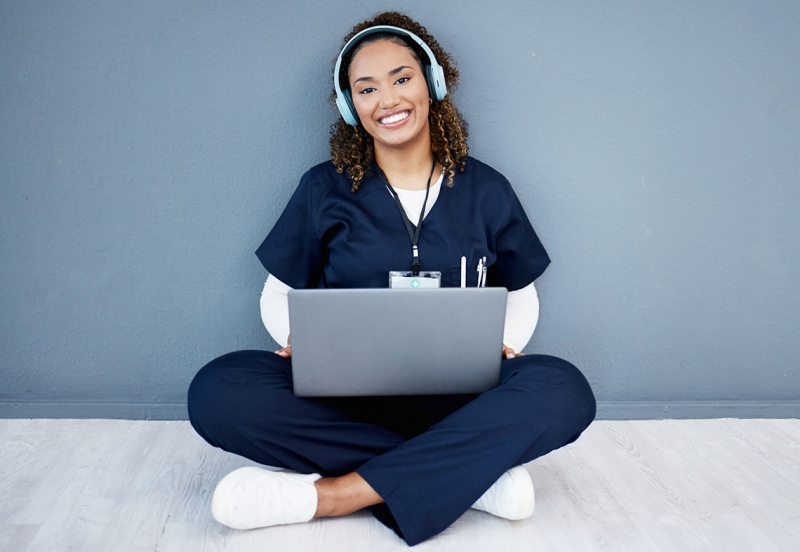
406 279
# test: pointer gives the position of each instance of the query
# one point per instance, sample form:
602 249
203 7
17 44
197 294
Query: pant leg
542 403
242 402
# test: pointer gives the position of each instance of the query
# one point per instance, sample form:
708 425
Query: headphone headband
433 72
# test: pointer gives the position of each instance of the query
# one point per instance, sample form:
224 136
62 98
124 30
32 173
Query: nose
389 97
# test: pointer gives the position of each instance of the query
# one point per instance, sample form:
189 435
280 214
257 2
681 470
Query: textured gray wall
146 149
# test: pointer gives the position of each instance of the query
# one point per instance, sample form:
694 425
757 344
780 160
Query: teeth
394 118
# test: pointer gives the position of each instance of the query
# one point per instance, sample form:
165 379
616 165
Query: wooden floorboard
119 485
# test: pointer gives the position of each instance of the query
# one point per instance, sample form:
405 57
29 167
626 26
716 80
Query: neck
412 160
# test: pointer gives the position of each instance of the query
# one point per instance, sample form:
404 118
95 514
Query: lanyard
412 235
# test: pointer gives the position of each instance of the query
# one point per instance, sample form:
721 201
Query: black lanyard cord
412 235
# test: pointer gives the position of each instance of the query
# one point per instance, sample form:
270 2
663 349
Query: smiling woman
390 80
418 462
393 106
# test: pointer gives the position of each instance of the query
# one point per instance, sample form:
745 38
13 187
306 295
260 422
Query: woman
418 462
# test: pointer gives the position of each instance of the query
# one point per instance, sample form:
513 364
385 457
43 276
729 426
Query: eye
403 79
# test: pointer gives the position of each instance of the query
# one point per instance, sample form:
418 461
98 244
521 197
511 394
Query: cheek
362 104
422 103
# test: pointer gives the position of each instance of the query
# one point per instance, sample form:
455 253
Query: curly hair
353 148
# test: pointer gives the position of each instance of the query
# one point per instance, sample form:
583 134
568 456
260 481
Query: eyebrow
392 72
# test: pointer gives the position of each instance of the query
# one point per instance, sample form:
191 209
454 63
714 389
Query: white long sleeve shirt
522 306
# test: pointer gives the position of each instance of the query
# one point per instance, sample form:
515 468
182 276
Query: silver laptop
352 342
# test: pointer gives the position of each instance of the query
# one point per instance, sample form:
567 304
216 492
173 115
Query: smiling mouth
394 118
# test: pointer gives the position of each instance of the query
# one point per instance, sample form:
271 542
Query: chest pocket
472 275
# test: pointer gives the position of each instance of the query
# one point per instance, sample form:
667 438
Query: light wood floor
118 485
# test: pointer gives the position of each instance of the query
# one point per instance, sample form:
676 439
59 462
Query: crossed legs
428 458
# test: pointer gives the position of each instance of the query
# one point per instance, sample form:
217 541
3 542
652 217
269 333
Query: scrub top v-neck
328 237
413 200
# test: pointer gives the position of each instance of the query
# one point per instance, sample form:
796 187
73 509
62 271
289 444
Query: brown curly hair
352 148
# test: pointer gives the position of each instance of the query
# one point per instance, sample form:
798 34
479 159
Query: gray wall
146 149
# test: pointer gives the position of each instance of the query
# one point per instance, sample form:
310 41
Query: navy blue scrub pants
429 457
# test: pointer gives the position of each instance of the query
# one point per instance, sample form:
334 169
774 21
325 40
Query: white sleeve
522 314
275 309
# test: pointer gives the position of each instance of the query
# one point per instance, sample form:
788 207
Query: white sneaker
510 497
253 497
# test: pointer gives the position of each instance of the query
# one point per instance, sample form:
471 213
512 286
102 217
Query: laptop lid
352 342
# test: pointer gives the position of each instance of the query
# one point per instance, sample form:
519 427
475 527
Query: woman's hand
286 352
508 352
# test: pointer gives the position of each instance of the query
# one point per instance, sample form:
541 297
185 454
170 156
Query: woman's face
386 82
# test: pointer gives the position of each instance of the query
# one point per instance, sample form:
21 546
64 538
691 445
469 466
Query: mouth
395 120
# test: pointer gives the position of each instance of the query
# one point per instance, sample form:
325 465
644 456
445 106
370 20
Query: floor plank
16 537
714 484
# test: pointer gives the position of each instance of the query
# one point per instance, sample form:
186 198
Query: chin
391 139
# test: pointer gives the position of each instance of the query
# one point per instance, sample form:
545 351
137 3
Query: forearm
522 314
275 310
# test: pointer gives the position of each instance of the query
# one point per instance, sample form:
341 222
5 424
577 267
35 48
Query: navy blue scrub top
328 237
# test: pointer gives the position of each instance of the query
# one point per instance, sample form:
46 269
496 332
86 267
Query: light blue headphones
434 74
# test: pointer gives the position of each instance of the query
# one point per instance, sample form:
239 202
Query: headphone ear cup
437 82
429 80
346 108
